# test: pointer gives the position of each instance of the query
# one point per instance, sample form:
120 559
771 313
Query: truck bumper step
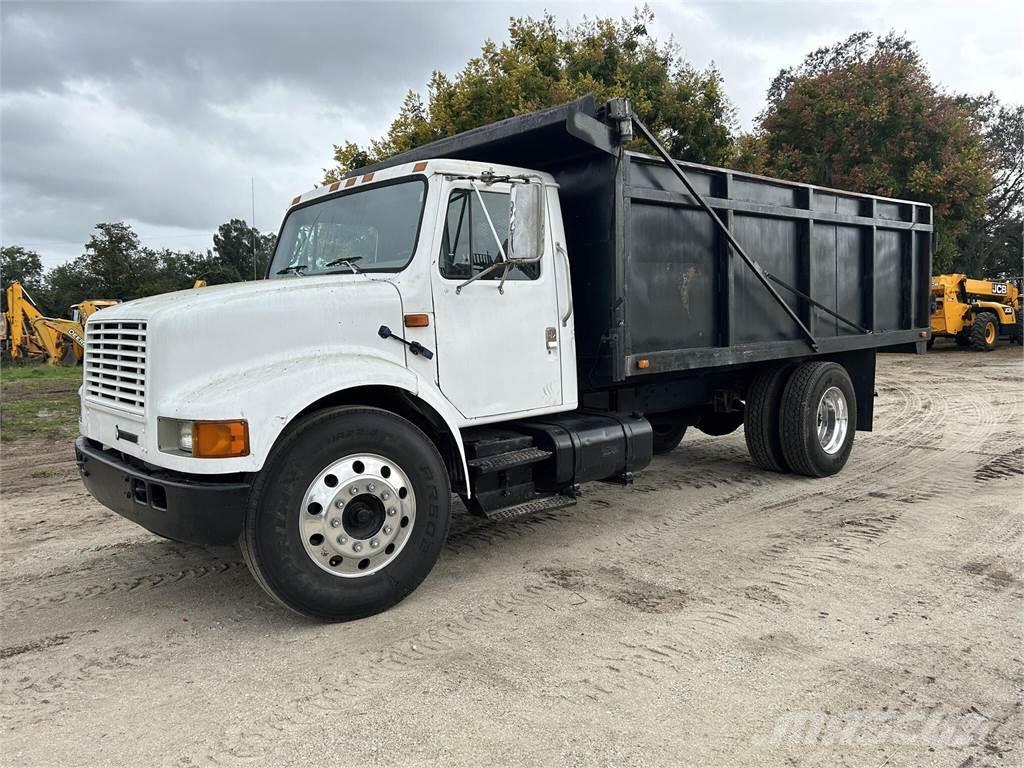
530 507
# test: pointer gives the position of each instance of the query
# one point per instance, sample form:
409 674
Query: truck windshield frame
372 228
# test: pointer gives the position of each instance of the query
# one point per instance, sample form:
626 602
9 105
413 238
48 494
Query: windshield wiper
296 268
348 262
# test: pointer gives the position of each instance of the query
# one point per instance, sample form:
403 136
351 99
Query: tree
118 265
233 245
542 66
18 263
992 247
865 115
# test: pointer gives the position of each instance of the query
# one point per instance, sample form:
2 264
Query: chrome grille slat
115 364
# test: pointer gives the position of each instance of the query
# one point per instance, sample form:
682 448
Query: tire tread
761 419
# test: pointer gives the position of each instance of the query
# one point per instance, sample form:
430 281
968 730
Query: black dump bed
658 289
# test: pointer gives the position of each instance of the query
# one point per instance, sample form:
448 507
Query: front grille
115 364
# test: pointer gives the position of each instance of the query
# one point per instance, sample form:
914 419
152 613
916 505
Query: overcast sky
160 114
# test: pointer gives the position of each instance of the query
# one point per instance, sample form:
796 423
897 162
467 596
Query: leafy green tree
992 246
18 263
119 265
66 285
233 246
541 66
865 115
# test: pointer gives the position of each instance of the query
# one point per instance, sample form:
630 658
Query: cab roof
432 167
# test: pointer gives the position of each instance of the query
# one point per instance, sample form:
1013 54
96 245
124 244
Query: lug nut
371 487
392 512
335 522
340 503
385 495
387 530
353 490
357 547
374 543
342 539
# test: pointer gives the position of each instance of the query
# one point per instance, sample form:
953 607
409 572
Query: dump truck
976 313
507 315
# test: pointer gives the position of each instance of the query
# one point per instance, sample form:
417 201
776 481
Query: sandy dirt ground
713 614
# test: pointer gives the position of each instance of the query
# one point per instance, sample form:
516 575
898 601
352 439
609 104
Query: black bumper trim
177 506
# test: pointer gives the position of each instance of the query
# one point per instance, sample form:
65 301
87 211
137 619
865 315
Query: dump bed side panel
690 302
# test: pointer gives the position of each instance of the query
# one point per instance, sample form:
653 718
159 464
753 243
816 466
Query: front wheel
349 514
818 420
985 331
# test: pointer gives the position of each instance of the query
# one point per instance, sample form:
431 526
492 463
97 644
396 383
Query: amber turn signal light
220 439
420 320
643 364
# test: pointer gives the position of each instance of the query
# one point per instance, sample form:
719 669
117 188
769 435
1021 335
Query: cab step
509 459
530 507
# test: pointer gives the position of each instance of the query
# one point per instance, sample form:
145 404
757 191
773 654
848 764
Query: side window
468 246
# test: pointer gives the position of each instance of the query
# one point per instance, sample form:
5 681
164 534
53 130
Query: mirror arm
501 285
474 278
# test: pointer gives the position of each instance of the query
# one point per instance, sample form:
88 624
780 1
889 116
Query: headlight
185 436
204 439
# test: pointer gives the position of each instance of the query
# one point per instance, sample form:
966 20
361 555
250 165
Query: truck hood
200 338
265 295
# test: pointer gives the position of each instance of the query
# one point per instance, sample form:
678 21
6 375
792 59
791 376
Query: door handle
568 284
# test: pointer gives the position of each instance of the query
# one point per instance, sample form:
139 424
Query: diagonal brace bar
754 267
818 304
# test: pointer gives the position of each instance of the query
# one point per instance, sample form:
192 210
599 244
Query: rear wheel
349 515
819 417
761 422
984 331
667 436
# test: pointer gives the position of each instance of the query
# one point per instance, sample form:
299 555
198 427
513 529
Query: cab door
498 345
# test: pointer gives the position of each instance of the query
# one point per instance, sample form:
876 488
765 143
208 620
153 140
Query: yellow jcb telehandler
976 313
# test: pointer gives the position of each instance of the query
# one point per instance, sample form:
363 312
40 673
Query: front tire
349 514
985 331
819 418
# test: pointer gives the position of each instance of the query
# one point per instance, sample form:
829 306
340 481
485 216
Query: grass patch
39 401
10 372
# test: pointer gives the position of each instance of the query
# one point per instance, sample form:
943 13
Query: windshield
372 230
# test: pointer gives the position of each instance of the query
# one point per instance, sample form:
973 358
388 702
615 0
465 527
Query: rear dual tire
818 419
667 436
801 419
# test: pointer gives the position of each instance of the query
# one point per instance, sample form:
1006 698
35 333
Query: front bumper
170 504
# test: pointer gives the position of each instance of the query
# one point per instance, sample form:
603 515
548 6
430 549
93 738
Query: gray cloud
159 114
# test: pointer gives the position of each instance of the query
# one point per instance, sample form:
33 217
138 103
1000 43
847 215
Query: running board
508 460
530 507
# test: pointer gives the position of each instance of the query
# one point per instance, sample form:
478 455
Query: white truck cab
420 333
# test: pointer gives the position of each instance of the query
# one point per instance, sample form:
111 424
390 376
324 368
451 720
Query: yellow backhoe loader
976 313
27 333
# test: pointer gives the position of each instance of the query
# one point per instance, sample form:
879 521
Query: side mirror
526 223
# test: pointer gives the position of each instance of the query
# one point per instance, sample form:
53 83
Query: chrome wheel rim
357 515
833 420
